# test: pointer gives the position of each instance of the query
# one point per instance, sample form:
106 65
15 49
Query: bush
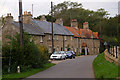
44 53
26 57
82 53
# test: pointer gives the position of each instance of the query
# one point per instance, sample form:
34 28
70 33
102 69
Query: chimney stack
43 18
27 17
85 25
9 18
59 21
74 23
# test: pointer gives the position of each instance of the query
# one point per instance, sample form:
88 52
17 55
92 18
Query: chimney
59 21
9 18
43 18
27 17
74 23
85 25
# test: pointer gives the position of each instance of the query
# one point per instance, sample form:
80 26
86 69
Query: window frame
41 39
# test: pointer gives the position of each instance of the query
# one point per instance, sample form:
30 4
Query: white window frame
41 39
75 50
49 37
31 39
57 37
57 48
71 38
65 38
49 49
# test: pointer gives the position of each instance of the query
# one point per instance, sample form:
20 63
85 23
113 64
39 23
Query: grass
104 69
18 76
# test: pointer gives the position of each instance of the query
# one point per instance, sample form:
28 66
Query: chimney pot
43 18
59 21
9 18
74 23
27 17
85 25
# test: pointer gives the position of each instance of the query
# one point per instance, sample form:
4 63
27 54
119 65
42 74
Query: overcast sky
43 6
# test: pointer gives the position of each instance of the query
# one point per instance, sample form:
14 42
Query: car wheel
71 57
64 58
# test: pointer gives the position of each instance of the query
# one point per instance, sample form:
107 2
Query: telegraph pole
21 23
52 27
32 9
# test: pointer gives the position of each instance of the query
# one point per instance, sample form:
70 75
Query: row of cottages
64 37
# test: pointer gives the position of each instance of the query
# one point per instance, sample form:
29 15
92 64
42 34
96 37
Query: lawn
104 69
17 76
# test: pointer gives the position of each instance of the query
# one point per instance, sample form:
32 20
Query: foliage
103 68
26 57
48 18
110 28
27 73
73 10
44 53
82 53
68 48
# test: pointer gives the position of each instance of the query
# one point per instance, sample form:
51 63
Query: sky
43 6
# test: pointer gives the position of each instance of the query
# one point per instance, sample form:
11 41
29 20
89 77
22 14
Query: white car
58 55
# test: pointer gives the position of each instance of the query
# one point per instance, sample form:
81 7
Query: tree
27 58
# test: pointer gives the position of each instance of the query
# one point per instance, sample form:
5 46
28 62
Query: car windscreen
68 53
57 53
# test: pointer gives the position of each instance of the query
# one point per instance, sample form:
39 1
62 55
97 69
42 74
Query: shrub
26 57
82 53
44 53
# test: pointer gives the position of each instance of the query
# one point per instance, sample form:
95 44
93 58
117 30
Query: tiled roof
30 28
38 27
46 26
84 33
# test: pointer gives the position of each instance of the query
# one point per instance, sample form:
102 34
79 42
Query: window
71 38
65 38
75 50
49 37
31 39
49 50
54 37
57 37
65 49
41 39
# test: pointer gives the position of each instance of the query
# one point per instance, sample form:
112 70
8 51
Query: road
81 67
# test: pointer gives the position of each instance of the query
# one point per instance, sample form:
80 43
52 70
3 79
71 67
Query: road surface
81 67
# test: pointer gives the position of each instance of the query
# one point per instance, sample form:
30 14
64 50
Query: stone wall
8 29
111 59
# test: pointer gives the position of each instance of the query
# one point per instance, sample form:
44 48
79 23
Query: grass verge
103 68
18 76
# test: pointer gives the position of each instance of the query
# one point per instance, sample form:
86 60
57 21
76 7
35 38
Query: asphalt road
81 67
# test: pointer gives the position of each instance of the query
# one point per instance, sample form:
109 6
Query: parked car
58 55
70 54
73 54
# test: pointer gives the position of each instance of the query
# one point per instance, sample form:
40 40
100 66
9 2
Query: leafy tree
14 55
